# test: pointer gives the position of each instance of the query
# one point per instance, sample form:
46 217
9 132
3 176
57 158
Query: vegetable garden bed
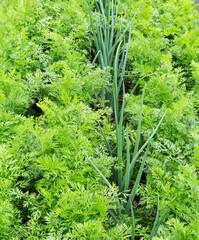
99 119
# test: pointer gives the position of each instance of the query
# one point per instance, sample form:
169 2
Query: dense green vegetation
53 97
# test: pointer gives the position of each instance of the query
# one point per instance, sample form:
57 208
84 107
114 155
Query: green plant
108 37
109 57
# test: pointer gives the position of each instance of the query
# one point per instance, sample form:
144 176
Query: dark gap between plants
34 110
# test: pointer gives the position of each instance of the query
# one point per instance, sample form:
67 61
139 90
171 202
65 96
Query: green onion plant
112 51
107 38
